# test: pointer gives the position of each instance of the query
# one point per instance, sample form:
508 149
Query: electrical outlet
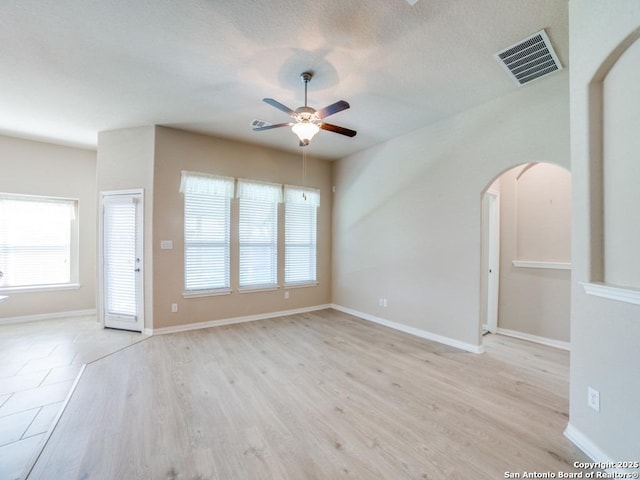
384 302
593 398
286 295
174 307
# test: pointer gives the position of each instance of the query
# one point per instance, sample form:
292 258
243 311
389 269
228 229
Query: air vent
530 59
259 123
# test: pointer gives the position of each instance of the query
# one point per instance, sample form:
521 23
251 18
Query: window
207 206
210 216
258 233
300 220
38 242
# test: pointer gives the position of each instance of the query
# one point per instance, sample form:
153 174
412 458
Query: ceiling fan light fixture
307 121
305 131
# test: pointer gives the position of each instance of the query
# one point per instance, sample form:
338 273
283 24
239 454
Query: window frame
256 194
309 197
261 195
202 186
74 246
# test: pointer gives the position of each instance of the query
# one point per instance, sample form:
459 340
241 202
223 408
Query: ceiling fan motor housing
306 114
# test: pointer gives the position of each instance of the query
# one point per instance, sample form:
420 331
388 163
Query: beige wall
543 199
535 221
178 150
37 168
605 333
407 213
125 161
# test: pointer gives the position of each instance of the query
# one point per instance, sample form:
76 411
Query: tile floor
39 361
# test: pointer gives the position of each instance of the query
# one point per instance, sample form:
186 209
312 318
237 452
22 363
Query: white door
493 263
122 261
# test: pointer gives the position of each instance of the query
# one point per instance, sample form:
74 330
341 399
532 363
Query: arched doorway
526 254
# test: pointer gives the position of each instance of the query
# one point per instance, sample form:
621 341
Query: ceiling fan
307 121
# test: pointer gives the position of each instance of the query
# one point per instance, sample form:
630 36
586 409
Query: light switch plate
593 398
166 244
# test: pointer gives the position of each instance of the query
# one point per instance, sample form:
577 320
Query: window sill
301 285
265 288
621 294
40 288
206 293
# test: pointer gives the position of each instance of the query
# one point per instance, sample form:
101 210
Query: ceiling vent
529 59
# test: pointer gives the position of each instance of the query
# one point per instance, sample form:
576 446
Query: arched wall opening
606 292
614 174
526 254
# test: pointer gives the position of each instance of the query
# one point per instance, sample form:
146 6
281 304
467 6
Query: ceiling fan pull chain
304 169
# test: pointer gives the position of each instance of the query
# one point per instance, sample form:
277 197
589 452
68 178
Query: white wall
125 161
37 168
605 333
407 213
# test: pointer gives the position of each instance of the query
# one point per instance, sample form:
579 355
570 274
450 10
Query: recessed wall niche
543 214
621 171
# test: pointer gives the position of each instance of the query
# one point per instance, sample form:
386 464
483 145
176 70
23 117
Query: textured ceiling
72 68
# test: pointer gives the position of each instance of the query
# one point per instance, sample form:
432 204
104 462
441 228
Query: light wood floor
313 396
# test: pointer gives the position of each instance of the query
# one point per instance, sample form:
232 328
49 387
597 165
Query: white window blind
300 232
258 233
120 256
207 206
37 245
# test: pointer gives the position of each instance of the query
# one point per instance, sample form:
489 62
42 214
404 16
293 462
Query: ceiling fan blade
269 127
279 106
333 108
337 129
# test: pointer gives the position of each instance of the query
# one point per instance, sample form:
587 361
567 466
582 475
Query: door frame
140 307
493 252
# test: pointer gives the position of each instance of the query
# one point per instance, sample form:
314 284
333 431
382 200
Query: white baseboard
550 342
230 321
46 316
581 441
412 330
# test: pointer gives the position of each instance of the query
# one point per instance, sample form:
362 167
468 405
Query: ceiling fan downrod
306 78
